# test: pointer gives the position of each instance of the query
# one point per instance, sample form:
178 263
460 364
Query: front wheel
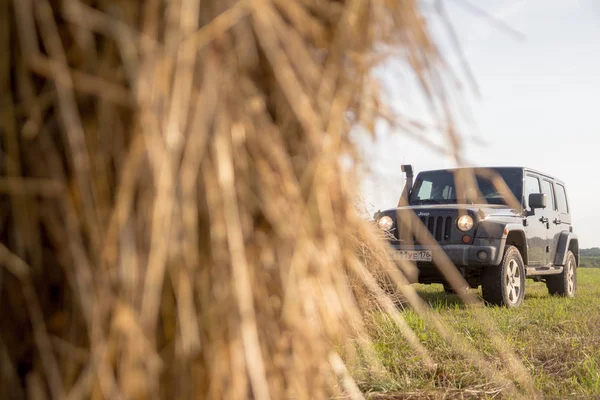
565 283
504 284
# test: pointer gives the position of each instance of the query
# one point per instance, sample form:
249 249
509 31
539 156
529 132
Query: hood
483 211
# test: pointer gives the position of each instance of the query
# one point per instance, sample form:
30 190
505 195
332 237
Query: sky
538 103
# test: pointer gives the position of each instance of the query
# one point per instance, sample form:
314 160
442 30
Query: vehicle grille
439 227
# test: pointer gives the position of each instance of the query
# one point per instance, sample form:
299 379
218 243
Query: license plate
414 255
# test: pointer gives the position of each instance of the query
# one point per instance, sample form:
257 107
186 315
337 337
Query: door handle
544 220
557 221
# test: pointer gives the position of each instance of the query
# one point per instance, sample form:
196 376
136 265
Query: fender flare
562 248
508 228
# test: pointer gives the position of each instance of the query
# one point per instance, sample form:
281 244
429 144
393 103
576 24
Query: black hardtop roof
526 169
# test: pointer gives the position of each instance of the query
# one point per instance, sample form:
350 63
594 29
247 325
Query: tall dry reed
175 220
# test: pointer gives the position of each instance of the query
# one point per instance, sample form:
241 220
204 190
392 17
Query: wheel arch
574 248
568 241
515 236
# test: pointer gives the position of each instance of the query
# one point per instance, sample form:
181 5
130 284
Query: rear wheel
565 283
504 285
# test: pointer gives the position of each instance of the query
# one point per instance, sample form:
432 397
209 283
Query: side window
532 185
561 199
547 189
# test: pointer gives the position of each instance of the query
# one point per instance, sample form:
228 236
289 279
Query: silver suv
495 244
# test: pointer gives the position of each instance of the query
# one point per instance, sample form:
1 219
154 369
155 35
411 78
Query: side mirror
537 200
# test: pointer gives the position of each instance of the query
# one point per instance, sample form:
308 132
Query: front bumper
462 255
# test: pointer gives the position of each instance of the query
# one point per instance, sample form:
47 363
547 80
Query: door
562 206
535 227
551 213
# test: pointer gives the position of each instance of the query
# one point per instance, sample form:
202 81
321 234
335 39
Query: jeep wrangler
493 244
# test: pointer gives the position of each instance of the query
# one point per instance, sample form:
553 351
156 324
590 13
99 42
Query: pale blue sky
539 104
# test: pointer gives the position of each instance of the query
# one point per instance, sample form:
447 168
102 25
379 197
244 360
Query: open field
558 340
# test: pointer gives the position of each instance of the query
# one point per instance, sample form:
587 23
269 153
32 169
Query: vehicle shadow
530 296
440 299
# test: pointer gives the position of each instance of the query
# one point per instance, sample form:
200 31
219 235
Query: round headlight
385 223
465 223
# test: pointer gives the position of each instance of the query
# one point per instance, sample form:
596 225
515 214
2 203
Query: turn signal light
466 239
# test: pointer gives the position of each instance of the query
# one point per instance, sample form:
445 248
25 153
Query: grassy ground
557 339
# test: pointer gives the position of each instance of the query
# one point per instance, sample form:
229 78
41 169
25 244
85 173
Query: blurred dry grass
175 221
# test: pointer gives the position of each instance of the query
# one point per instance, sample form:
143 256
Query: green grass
557 339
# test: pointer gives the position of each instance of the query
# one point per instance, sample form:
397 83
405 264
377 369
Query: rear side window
547 189
561 199
532 185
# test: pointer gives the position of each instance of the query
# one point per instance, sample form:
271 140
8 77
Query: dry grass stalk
175 218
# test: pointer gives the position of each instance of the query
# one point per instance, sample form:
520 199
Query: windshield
437 187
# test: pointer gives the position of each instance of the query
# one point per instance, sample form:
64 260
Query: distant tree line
590 258
593 252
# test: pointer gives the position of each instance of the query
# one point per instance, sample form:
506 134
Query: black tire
565 283
504 284
450 290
